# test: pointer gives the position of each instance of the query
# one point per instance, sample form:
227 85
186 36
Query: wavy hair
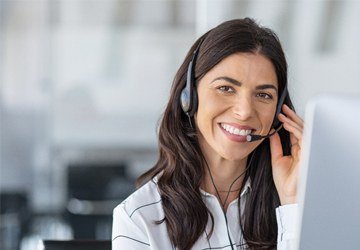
181 161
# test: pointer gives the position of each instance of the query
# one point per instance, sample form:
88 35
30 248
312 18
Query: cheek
208 109
267 117
203 120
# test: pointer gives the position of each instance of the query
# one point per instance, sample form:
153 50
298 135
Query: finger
291 113
285 119
293 140
286 109
296 132
295 147
276 147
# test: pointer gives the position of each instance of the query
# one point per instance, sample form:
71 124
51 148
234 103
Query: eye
265 96
226 89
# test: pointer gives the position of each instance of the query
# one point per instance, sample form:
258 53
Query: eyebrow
237 83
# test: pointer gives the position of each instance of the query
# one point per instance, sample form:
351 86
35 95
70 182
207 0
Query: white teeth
236 131
243 132
231 130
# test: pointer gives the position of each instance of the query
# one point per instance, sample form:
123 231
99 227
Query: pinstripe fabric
134 227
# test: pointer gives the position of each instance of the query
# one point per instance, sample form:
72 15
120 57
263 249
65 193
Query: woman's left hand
285 169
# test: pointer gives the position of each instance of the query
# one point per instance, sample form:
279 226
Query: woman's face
236 97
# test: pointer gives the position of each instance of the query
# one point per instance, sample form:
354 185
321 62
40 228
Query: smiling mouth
235 131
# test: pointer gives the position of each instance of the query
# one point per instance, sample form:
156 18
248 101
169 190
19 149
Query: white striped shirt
134 227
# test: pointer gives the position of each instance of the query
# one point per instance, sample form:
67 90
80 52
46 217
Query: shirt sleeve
287 219
125 233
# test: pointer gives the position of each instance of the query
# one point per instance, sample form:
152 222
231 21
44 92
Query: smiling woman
235 98
212 187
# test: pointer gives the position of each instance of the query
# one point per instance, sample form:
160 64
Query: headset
189 99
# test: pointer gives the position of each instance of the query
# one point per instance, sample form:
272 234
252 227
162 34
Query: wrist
287 200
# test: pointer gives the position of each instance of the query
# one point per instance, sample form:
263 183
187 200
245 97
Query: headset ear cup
188 96
194 101
185 100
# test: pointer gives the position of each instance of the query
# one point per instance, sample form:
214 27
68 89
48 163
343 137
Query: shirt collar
247 187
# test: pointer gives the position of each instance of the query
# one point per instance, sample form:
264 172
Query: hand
285 169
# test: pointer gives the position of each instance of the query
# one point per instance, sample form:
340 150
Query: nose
243 108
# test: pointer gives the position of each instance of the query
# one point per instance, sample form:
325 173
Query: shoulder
145 202
135 220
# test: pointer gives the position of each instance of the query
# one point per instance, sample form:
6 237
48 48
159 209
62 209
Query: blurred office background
83 84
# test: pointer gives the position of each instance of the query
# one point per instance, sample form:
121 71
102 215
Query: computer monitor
329 188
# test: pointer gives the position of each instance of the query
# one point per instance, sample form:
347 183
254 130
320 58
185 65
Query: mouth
236 133
244 131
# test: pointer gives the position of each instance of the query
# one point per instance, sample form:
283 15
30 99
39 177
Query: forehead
247 68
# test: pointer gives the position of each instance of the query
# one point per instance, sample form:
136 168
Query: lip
236 138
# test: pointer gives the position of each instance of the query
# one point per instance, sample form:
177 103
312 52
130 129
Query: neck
222 176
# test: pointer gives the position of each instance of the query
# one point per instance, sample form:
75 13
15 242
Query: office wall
81 78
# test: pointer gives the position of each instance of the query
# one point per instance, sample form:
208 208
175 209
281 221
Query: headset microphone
251 138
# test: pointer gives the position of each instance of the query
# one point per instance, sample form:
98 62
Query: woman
222 153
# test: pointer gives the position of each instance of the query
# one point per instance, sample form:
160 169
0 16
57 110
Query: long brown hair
181 162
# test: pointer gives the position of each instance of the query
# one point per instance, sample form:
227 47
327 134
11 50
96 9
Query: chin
235 156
